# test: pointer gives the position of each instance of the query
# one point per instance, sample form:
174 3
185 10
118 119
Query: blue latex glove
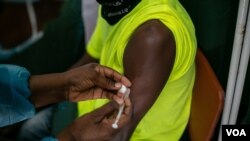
14 93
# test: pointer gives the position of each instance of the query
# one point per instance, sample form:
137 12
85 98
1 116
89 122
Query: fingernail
118 85
119 101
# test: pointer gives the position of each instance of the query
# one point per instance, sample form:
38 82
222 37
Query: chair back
207 101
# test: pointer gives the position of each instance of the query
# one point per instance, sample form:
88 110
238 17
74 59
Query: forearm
51 88
48 89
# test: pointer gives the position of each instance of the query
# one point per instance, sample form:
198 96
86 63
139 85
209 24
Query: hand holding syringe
125 91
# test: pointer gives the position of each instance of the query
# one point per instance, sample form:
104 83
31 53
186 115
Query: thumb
105 110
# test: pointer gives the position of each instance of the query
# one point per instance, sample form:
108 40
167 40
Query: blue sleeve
14 93
49 139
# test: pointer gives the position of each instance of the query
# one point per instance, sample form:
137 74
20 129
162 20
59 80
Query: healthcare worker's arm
148 60
90 81
87 82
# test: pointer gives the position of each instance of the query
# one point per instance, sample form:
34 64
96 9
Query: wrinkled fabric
38 126
14 93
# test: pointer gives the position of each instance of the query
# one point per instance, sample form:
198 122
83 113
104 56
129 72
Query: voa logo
236 132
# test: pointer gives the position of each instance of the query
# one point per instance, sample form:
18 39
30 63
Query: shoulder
152 37
153 33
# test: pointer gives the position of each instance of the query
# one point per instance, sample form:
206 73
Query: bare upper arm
148 60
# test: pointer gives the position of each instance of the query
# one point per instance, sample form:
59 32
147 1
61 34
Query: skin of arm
148 60
47 89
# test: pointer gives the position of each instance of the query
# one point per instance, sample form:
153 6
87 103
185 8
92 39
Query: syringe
125 91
